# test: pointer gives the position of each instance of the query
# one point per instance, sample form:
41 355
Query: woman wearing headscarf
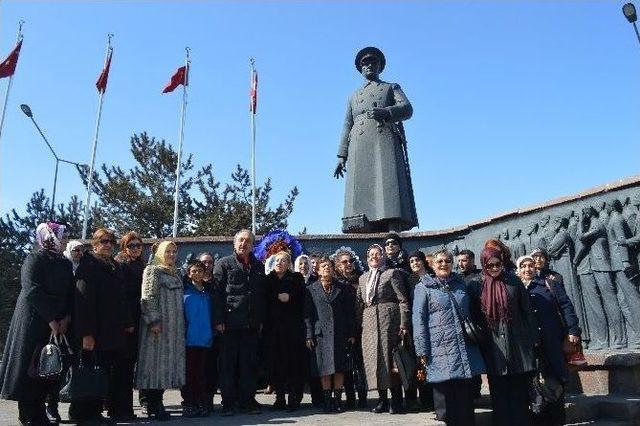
384 301
303 265
73 252
509 266
102 318
512 335
131 264
557 321
161 356
43 307
439 307
284 337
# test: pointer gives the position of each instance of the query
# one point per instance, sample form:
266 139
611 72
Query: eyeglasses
439 261
133 246
77 250
346 261
496 265
391 243
107 241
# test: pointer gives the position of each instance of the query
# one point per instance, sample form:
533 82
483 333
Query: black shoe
190 411
53 416
383 403
396 401
362 399
157 412
279 404
337 401
294 402
327 401
253 407
411 406
227 411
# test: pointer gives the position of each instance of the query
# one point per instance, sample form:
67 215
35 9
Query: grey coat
377 184
381 322
329 321
510 345
161 359
437 331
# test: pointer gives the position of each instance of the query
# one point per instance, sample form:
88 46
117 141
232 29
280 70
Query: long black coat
509 349
100 303
547 309
284 330
46 295
329 320
132 270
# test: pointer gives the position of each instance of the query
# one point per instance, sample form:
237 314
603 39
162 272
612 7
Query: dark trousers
121 389
510 399
211 369
194 389
91 409
350 388
238 366
453 402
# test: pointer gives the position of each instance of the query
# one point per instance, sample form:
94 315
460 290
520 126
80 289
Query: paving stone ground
307 415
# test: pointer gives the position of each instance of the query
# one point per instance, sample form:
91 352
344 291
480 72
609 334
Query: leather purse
85 381
405 363
51 360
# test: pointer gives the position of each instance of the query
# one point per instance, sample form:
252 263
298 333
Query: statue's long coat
377 182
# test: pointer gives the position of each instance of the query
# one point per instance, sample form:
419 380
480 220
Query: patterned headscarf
494 298
49 236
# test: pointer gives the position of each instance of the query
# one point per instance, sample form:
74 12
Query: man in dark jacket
239 312
467 266
396 257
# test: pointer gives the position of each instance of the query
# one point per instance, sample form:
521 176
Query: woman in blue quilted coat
440 342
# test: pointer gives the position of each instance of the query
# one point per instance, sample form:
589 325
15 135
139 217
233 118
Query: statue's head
370 62
545 220
559 222
614 205
505 234
589 212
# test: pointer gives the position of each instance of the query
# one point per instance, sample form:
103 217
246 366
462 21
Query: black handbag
85 382
474 333
405 361
356 367
544 388
50 363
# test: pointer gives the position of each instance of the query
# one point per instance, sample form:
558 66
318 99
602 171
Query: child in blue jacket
199 337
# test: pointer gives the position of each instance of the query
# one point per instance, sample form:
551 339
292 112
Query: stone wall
579 231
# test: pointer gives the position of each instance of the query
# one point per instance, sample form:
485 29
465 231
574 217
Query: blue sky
514 102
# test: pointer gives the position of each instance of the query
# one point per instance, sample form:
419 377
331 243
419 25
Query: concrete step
617 408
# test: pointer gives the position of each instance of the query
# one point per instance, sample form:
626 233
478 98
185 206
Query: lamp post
629 11
27 111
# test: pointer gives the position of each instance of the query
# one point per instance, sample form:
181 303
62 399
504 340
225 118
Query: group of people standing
315 319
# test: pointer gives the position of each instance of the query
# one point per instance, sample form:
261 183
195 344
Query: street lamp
629 11
27 111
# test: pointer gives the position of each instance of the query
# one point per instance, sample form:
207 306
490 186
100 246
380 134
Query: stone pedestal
608 373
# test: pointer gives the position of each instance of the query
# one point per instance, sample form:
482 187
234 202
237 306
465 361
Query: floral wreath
274 242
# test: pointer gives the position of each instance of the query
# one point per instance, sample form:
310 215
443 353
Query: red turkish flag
253 93
101 83
8 66
180 77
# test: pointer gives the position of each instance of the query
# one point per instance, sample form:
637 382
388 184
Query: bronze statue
373 152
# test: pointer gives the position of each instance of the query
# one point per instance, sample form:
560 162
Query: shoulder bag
474 333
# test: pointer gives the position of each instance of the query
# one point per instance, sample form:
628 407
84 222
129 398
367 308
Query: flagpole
253 147
6 95
87 203
187 63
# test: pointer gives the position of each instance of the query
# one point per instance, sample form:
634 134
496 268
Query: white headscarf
304 258
67 253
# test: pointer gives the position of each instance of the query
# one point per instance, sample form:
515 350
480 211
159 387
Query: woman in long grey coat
329 321
512 335
451 361
161 359
43 307
382 297
378 185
